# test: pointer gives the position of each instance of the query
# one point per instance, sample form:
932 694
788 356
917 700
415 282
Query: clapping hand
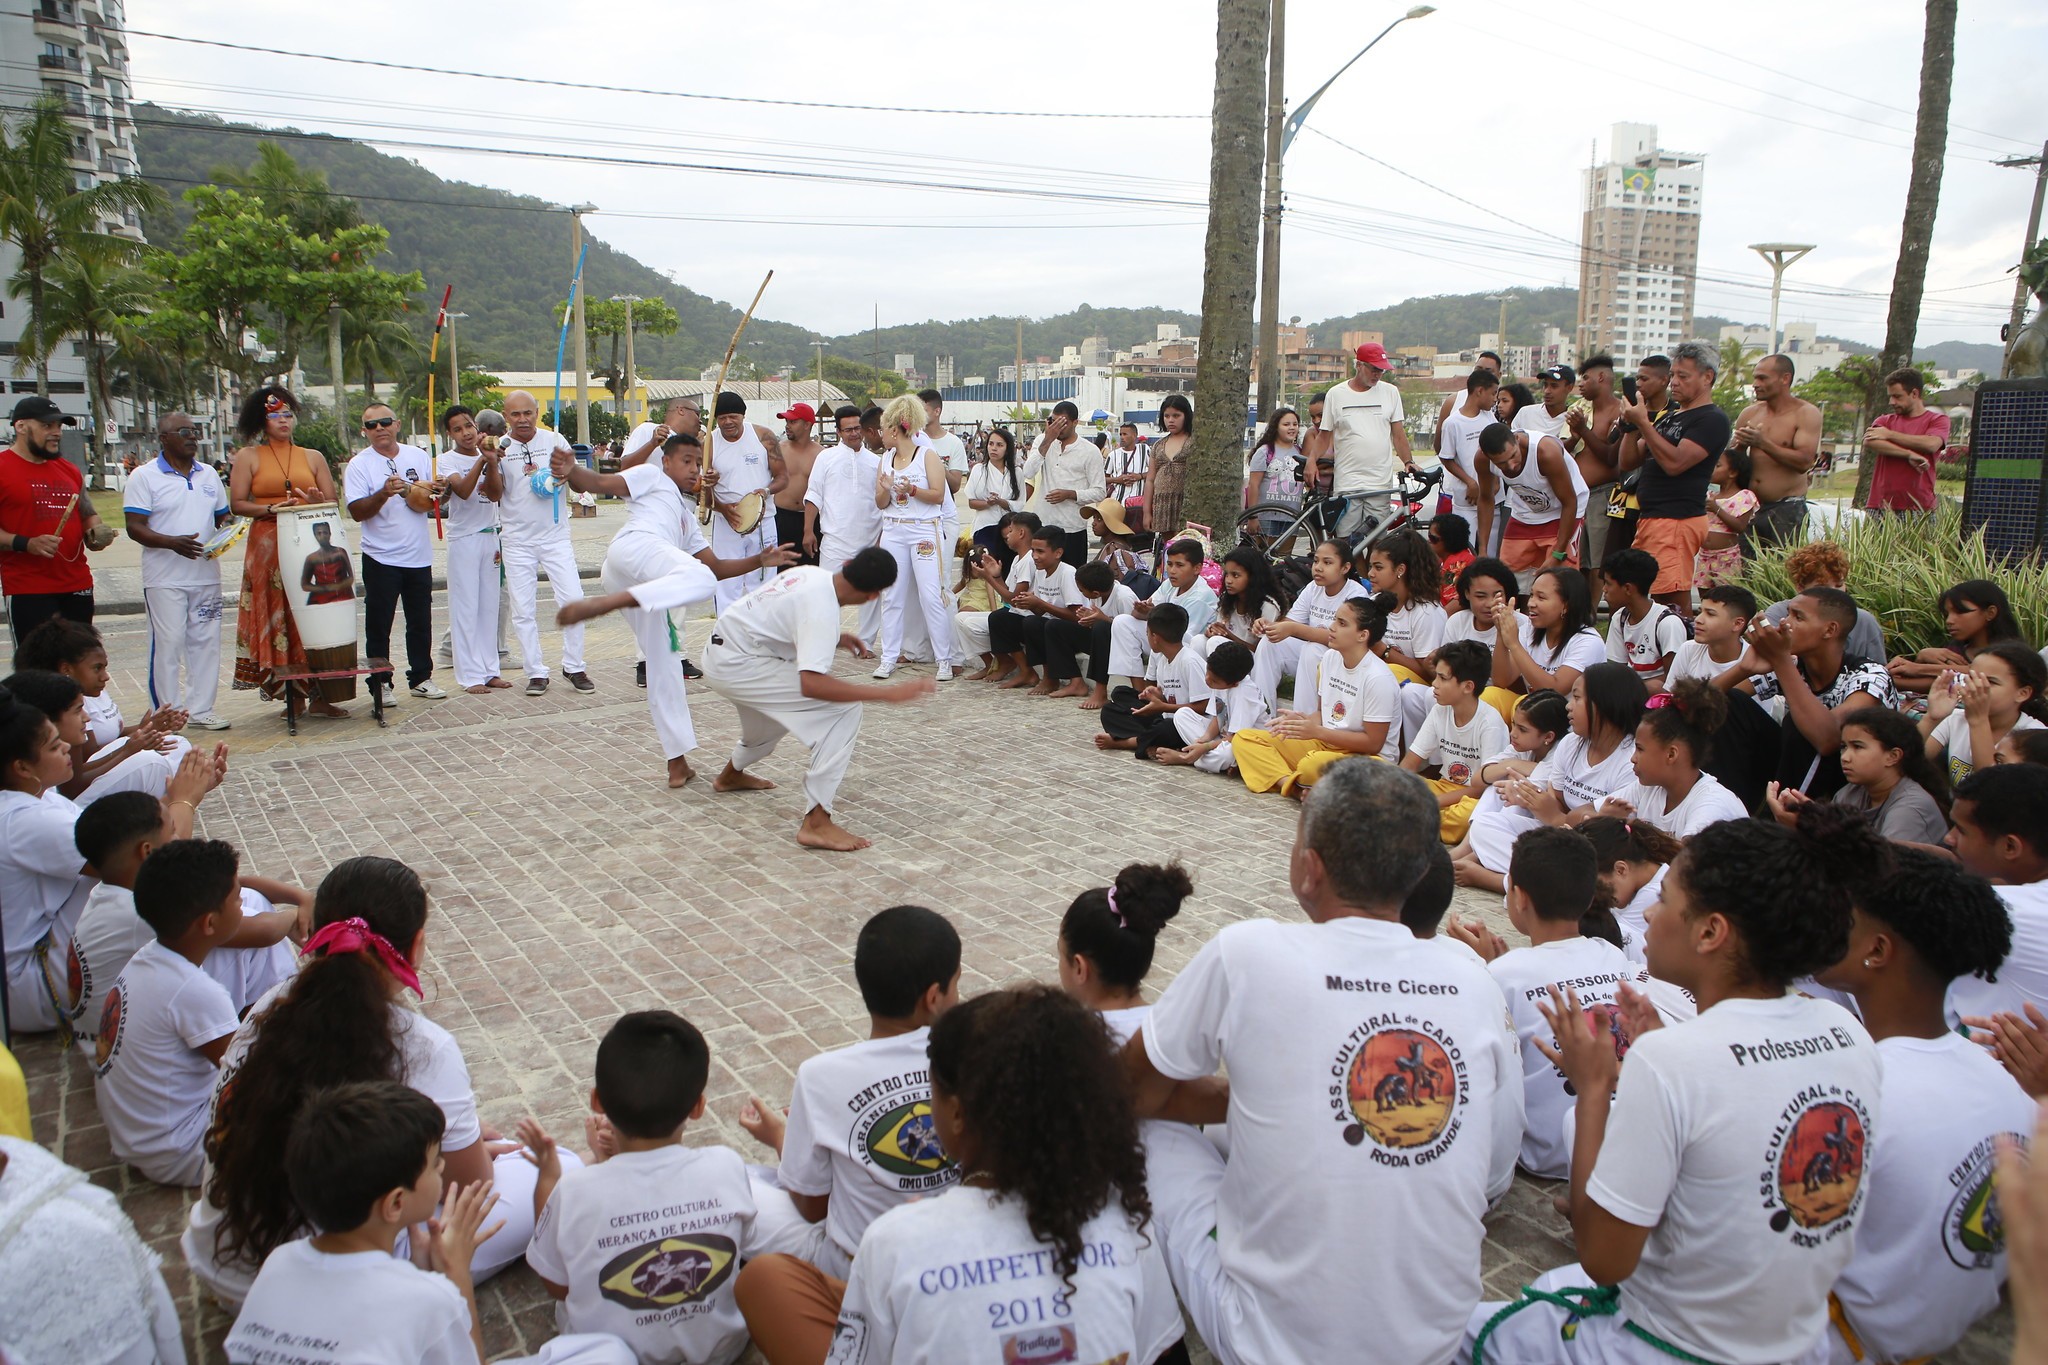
764 1123
1293 724
1476 936
1583 1051
1771 646
1638 1015
541 1149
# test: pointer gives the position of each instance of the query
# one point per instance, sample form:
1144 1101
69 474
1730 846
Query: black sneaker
640 674
691 671
536 686
580 681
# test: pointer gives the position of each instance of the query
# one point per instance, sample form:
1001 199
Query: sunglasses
189 433
373 423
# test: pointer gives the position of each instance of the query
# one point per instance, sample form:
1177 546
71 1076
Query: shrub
1899 567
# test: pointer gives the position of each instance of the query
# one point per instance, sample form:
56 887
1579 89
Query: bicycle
1320 514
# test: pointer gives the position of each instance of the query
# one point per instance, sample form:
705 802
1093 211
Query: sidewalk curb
135 607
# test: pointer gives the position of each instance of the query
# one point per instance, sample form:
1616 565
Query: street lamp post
454 365
626 389
818 345
2019 288
1280 134
582 358
1781 255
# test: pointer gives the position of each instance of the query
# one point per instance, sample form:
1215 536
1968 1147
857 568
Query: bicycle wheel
1252 524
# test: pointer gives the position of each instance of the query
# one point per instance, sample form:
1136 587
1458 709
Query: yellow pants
1503 701
1266 760
1455 818
1403 673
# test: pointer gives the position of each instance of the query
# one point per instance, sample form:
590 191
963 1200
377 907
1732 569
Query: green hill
1454 321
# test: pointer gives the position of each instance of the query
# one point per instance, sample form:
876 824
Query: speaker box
2005 493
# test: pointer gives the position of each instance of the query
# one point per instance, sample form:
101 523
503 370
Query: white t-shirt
362 1308
524 516
1352 698
1580 651
1461 448
397 535
1569 769
1242 707
150 1078
1953 734
1595 969
43 887
1057 587
1416 629
1945 1102
1460 627
1643 645
1316 609
843 488
952 452
475 514
656 507
1694 660
1634 917
1199 602
109 933
1538 422
1708 803
1740 1140
1119 602
1183 678
648 1245
176 505
961 1277
861 1130
793 616
986 481
2022 977
1374 1085
1364 425
103 717
1078 466
1460 749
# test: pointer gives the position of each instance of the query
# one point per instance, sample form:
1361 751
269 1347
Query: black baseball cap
1564 372
36 408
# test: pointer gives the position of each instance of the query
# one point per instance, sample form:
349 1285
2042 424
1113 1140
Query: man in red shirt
46 523
1905 443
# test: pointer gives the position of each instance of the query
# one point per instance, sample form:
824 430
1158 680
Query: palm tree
1923 196
378 342
93 295
287 188
47 217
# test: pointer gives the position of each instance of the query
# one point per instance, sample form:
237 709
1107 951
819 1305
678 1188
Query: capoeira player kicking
658 560
771 657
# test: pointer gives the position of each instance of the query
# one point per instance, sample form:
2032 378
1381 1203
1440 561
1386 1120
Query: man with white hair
1365 426
533 536
1677 455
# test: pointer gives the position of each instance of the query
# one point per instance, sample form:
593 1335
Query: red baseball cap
1375 355
798 412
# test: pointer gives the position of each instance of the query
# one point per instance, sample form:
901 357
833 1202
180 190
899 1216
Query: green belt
1591 1301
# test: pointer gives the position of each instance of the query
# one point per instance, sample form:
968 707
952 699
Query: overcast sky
1498 104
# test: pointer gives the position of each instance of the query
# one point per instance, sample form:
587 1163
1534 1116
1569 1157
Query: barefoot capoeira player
771 657
658 560
744 458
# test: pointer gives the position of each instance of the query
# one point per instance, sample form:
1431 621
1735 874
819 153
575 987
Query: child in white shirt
1107 937
1970 710
1295 643
1360 703
364 1162
145 753
1717 627
1458 735
1670 791
1235 703
165 1024
645 1241
1642 633
1103 600
1144 721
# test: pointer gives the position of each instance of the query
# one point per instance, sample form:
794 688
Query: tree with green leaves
604 318
1731 385
49 219
93 295
302 196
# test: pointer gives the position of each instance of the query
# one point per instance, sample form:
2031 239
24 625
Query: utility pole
1782 256
818 345
333 363
1501 334
454 365
2019 288
1020 365
626 389
1269 229
582 358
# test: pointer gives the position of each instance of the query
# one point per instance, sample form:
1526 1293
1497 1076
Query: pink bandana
355 936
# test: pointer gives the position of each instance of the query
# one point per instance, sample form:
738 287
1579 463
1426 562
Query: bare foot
1173 758
478 689
496 682
1075 687
679 773
1022 680
735 780
982 674
1094 703
818 831
319 707
1044 689
1562 1203
1107 742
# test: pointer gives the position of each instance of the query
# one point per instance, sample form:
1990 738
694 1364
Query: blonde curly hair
905 411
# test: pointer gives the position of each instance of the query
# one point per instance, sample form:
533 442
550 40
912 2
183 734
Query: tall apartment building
1639 247
76 50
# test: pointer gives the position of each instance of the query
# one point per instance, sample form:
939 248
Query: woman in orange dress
268 473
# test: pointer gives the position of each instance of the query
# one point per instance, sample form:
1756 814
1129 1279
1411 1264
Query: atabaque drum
319 578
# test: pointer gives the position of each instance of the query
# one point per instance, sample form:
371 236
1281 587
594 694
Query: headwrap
730 402
275 404
1661 700
354 935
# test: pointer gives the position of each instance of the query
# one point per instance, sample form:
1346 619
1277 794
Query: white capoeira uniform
1130 656
473 579
1275 659
654 557
759 648
910 532
143 770
533 538
842 488
742 467
182 596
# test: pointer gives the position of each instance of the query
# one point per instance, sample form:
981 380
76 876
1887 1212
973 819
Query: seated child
1107 937
970 628
1977 612
1970 709
1250 594
1716 645
1485 588
1459 734
116 836
1634 856
1450 536
1730 509
1403 572
1700 1110
1103 600
860 1137
1129 645
1889 777
970 593
1235 703
1144 721
364 1162
2022 746
1642 633
1081 1275
43 886
60 698
1360 701
1537 723
165 1023
2000 816
1670 792
665 1289
1047 594
1554 898
77 652
1292 644
1944 1105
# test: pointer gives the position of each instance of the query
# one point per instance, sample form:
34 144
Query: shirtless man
1598 447
1782 435
799 456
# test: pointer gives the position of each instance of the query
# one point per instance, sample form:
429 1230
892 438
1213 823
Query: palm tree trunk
1229 267
1923 196
103 407
35 303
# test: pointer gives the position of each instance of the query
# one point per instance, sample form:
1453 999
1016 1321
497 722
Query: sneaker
945 673
691 671
884 669
536 686
387 695
640 674
580 681
211 722
428 688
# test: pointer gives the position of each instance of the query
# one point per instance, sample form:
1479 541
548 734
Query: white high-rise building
1639 247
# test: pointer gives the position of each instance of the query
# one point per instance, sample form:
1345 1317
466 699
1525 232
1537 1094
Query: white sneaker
429 689
210 722
945 673
884 669
388 694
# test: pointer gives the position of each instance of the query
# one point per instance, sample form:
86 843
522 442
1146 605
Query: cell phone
1628 387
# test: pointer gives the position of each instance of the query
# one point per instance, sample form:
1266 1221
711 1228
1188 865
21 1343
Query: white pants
1416 701
780 1230
727 543
659 576
1274 659
184 638
1495 827
769 697
832 556
1536 1335
1128 650
578 1348
473 620
919 570
1185 1173
139 772
970 634
525 561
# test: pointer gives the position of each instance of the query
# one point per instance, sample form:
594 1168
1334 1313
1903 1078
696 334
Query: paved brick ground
569 885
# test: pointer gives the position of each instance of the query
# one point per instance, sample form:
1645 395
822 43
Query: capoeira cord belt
1592 1301
46 973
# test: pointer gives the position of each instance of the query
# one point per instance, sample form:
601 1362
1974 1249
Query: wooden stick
704 502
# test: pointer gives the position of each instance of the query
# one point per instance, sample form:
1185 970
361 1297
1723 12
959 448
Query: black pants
1012 631
384 586
789 530
1119 721
1066 640
1077 547
26 611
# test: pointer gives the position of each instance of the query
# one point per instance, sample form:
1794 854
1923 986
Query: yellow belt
1849 1337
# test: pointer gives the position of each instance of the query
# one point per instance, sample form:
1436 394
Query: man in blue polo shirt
173 504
